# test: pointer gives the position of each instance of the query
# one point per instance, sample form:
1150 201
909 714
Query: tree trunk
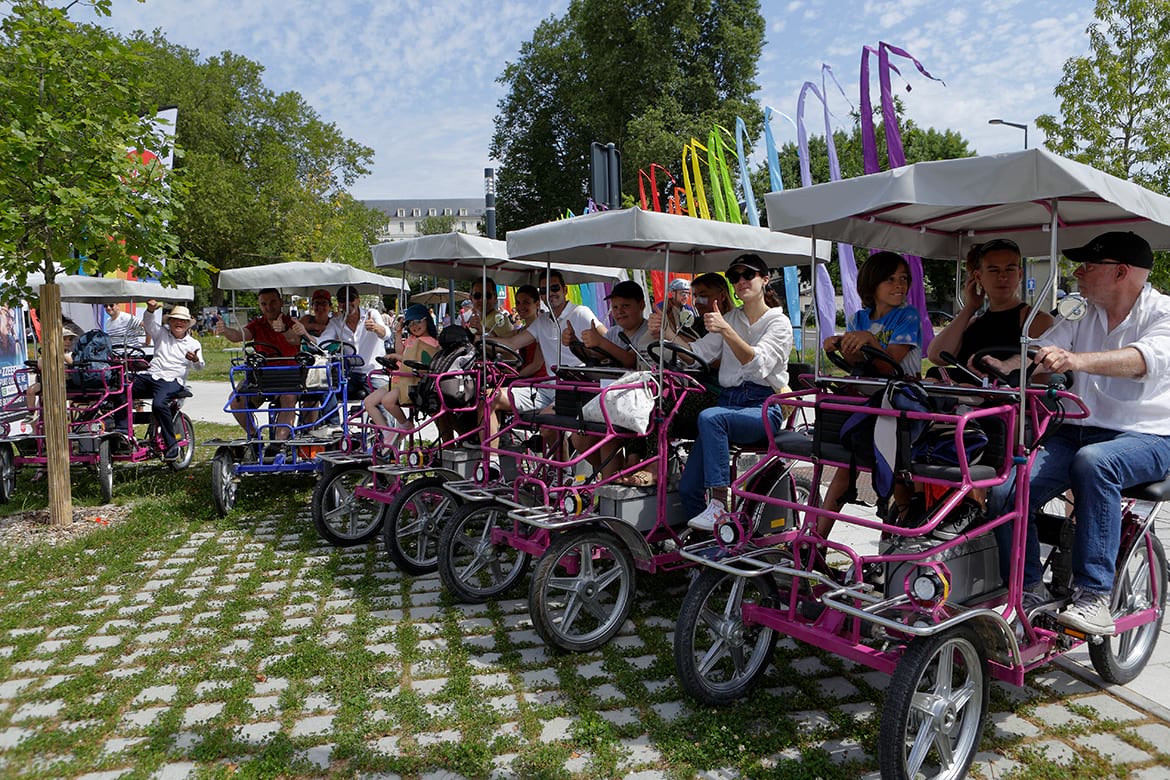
53 407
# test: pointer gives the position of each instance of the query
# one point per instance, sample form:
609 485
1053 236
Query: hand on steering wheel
869 366
1056 380
593 357
511 357
256 353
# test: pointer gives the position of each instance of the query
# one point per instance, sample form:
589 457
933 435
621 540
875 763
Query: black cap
750 261
628 290
1124 247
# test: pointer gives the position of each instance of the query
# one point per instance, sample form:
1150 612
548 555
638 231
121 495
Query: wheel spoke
737 659
946 668
609 577
715 653
942 743
922 742
597 609
570 612
711 619
566 584
735 598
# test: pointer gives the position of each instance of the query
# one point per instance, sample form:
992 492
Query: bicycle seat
184 393
1151 491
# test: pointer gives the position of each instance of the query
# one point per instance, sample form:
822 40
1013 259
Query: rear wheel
1139 585
470 565
719 657
582 589
105 471
413 522
223 480
935 708
184 431
7 473
342 517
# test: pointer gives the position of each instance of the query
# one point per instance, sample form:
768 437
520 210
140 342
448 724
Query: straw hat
179 313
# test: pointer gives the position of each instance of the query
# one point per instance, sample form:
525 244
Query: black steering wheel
676 351
869 366
499 352
1056 380
130 352
256 353
592 357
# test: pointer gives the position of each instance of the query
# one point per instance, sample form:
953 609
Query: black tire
342 518
7 473
582 590
937 697
717 657
184 430
413 522
1121 658
470 566
223 481
105 471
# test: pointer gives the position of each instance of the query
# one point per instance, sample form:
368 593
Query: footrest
392 470
539 516
470 490
340 458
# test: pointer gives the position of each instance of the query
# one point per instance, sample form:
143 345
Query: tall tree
1115 102
73 112
641 74
268 175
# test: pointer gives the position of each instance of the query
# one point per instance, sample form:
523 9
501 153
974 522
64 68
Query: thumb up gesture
591 336
567 335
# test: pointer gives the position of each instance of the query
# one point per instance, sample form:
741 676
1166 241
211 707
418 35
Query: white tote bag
628 407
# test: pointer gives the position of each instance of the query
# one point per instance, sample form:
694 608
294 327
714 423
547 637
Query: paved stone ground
256 648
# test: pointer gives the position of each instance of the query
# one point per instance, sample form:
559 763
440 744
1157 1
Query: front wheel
581 591
1139 585
184 431
105 471
413 522
470 565
7 473
342 517
935 708
223 481
718 657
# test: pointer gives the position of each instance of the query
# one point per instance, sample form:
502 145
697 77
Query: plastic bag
628 407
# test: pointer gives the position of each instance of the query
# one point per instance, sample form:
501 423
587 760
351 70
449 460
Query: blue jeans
1097 464
737 419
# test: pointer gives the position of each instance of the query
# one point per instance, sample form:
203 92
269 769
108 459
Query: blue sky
415 79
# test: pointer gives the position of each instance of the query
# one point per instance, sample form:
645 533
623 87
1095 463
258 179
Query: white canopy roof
99 289
301 278
462 256
938 209
633 238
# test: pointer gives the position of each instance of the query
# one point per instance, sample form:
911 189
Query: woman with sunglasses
752 344
486 318
993 277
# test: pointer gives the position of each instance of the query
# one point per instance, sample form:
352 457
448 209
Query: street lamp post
1023 127
489 201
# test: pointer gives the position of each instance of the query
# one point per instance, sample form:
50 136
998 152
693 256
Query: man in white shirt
124 330
547 329
363 329
175 351
1120 352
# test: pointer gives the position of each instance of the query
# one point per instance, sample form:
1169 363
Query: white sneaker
1089 613
705 520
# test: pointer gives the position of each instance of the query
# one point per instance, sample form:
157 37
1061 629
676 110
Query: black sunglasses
746 274
551 288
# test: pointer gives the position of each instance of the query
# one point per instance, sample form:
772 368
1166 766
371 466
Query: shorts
527 398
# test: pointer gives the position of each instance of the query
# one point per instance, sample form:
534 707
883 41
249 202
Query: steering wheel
591 356
256 353
873 356
129 352
676 351
1056 380
510 357
334 347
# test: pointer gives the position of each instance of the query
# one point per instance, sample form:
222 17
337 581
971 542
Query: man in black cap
1123 345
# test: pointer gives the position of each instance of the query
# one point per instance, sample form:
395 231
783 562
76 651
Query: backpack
92 356
456 355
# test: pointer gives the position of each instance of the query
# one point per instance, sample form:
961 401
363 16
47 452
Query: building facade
403 215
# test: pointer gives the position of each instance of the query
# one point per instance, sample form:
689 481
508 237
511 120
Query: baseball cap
415 311
466 304
680 285
321 294
628 290
1125 247
750 261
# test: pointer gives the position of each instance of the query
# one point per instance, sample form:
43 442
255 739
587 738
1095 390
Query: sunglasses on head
746 274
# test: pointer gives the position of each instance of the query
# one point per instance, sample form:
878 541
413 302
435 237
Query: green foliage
436 225
644 76
73 108
268 175
1115 102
